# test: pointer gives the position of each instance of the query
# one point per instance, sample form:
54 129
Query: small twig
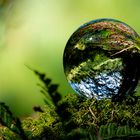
85 114
92 103
125 49
112 114
135 112
90 110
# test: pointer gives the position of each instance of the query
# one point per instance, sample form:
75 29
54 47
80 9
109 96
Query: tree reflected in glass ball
102 59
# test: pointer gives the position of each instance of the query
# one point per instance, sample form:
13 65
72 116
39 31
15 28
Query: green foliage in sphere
101 59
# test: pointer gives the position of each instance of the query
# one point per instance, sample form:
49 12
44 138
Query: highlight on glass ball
102 59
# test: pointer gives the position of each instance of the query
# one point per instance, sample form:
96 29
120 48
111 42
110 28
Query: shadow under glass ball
102 59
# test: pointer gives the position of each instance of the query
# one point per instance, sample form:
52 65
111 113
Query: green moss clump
74 117
34 126
7 134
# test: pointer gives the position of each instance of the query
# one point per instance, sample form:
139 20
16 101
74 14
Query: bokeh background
35 32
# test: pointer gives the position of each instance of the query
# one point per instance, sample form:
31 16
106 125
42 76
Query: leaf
112 127
49 90
103 130
7 120
126 130
120 131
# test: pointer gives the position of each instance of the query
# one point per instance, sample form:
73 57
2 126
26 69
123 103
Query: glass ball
102 59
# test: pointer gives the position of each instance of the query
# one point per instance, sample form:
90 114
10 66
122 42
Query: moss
34 126
7 134
74 117
78 113
102 111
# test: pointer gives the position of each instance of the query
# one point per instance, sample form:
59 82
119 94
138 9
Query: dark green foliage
74 118
113 131
12 123
48 87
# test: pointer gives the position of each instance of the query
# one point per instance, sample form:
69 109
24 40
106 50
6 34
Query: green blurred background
35 32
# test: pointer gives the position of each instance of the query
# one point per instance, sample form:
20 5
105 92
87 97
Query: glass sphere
102 59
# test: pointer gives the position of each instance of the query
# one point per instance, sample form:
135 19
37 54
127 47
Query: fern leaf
7 120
